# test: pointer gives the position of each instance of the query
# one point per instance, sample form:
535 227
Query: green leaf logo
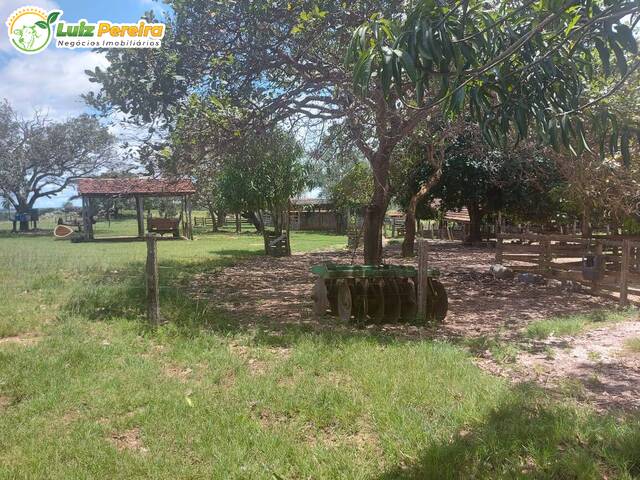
30 29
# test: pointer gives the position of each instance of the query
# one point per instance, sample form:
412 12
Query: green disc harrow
378 294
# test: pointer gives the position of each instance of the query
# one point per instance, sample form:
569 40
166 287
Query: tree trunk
214 220
222 218
253 218
409 233
410 218
375 211
586 222
238 224
373 221
23 209
475 226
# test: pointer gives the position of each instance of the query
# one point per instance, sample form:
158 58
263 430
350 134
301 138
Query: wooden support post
86 219
140 215
624 272
152 281
189 214
595 285
423 273
499 250
544 261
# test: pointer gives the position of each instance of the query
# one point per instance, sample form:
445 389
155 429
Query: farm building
316 214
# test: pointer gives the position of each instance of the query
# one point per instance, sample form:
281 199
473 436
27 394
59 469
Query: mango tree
510 65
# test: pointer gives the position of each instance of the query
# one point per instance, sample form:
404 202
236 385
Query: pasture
88 390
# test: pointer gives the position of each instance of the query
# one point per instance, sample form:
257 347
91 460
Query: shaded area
274 292
596 360
529 437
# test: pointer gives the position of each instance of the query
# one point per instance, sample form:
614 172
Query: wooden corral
607 265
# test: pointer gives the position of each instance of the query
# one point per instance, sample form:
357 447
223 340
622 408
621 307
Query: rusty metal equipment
377 294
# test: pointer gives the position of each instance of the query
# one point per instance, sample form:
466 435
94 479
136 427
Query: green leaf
362 73
457 100
216 102
387 70
625 37
521 122
621 61
572 24
42 24
409 65
53 16
604 54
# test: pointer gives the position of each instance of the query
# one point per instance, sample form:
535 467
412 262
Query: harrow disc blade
437 301
345 301
409 300
360 303
392 307
320 297
375 299
332 295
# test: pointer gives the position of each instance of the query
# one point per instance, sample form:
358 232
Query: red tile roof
134 186
461 216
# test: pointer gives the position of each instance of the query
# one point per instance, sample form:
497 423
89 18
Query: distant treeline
6 214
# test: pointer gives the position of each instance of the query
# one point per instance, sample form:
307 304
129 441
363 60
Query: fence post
595 285
624 272
423 272
544 260
152 281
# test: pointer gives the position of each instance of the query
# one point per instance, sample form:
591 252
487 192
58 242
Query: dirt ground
594 366
272 293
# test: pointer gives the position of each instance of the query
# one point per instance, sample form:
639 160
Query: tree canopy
40 158
514 67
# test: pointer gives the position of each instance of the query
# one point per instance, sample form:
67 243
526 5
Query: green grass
501 351
94 393
573 324
632 345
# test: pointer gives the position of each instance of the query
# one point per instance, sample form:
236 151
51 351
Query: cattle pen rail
609 266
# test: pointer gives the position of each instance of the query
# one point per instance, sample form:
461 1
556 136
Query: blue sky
53 80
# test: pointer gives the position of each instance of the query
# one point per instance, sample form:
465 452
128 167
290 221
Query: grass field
87 390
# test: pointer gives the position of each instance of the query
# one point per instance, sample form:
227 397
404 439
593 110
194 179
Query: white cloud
8 6
50 81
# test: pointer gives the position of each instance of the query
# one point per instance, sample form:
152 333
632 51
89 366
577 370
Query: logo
31 29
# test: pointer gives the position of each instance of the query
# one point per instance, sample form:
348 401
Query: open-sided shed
139 189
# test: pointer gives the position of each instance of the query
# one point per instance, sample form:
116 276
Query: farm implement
378 294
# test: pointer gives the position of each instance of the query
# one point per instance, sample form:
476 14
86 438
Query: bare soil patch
605 373
177 372
275 292
128 440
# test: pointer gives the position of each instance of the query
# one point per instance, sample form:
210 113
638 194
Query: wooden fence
609 266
